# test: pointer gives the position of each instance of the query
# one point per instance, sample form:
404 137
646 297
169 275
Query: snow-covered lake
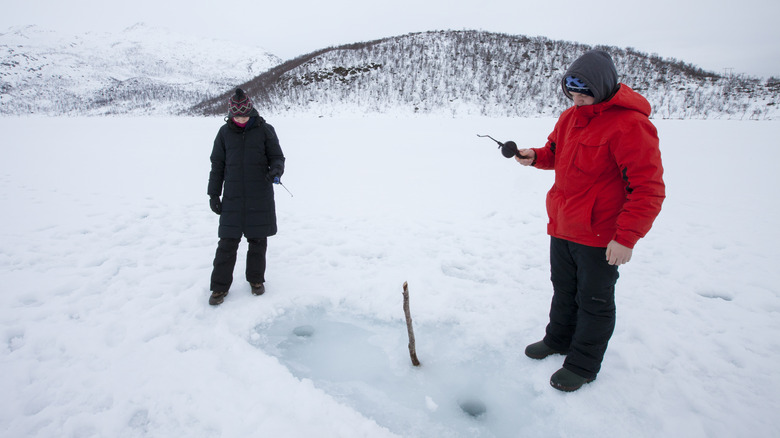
107 239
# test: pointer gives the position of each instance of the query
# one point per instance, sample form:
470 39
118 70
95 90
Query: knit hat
239 105
575 85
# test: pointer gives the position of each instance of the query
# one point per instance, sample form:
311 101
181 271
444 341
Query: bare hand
618 254
529 154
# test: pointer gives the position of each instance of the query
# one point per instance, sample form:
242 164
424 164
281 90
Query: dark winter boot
217 298
565 380
540 350
257 288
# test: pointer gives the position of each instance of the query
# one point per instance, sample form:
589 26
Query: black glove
216 204
274 174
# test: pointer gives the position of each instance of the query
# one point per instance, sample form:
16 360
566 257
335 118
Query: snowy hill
144 70
140 70
480 73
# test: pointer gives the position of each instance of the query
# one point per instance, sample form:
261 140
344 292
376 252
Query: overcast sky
715 35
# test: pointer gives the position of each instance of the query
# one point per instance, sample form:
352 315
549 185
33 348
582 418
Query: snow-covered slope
140 70
144 70
456 73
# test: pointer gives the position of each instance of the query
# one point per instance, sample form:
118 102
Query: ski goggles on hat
575 85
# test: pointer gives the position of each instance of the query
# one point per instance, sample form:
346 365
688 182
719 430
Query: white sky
713 34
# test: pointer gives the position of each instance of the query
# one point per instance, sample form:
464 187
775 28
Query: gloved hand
216 204
275 175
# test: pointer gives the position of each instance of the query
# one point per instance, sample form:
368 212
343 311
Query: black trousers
582 313
225 261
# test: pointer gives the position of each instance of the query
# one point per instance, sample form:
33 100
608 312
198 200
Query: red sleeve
545 156
639 159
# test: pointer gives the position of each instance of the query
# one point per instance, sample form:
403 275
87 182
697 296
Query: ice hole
364 363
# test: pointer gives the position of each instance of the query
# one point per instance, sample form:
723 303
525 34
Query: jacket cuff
628 243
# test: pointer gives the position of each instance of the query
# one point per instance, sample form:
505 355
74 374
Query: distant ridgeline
140 70
148 71
490 74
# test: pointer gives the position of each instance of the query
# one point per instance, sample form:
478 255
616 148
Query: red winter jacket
608 173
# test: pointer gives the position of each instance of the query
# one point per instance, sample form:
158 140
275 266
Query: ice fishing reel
508 149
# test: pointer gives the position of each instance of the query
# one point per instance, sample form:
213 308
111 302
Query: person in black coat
245 162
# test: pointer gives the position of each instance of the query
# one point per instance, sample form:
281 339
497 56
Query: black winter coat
242 159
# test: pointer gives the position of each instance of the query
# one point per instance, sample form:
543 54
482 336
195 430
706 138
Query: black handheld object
508 149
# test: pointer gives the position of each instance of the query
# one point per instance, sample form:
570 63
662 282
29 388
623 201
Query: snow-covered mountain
482 73
140 70
144 70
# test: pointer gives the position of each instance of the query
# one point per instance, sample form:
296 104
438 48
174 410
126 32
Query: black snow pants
225 261
582 313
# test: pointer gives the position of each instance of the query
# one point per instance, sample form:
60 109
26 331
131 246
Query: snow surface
107 243
142 69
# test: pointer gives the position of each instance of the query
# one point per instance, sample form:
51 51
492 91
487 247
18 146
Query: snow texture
140 70
106 255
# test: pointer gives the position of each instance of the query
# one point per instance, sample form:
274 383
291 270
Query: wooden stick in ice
412 348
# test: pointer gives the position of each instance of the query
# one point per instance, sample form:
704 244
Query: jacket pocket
593 157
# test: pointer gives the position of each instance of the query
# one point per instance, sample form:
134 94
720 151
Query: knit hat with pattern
239 105
575 85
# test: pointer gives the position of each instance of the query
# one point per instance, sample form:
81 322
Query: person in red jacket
607 192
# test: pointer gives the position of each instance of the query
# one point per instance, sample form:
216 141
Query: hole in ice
475 408
364 363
